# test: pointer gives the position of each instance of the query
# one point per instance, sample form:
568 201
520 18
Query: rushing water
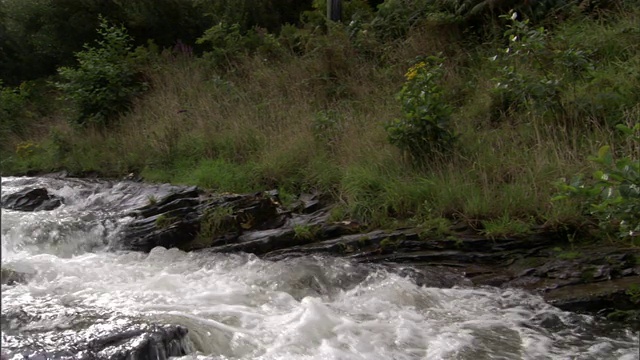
237 306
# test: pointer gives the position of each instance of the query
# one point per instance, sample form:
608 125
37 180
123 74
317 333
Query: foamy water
237 306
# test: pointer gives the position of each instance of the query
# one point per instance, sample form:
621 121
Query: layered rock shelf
587 278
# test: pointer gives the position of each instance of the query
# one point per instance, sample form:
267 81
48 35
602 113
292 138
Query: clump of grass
163 221
151 200
435 227
505 226
214 222
306 232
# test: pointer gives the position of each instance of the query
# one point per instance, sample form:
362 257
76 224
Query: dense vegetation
408 112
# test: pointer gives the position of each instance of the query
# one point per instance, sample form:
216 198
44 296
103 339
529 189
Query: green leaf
625 129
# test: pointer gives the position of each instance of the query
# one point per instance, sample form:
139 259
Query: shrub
395 18
228 44
12 108
524 81
106 79
612 197
423 131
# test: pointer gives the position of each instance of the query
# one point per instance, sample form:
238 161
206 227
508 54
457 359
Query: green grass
281 124
505 226
306 232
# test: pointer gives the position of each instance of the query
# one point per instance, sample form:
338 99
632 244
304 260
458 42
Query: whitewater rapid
237 306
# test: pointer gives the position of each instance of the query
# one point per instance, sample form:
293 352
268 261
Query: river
238 306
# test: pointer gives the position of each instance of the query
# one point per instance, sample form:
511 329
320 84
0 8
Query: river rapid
238 306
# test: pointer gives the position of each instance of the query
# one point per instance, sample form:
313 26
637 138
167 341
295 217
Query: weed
437 226
305 232
389 243
151 200
505 226
424 131
163 221
634 293
215 222
613 196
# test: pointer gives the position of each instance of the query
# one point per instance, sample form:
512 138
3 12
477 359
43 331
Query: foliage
524 81
227 43
163 221
634 293
395 18
215 222
106 79
423 131
312 120
13 102
435 227
612 197
352 10
505 226
38 36
305 232
268 14
327 128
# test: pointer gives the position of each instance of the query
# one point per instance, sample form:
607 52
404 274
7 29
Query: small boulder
30 200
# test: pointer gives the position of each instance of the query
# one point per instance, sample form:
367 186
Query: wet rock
594 297
189 220
548 321
55 332
11 277
30 200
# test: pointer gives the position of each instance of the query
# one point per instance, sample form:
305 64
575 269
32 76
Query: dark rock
31 200
87 334
11 277
548 321
593 297
189 221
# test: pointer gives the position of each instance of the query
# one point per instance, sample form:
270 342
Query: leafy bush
106 79
227 43
424 130
612 197
524 81
395 18
12 107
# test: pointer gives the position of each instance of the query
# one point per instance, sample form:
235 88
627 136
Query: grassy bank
313 119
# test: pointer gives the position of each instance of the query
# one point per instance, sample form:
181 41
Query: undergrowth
509 110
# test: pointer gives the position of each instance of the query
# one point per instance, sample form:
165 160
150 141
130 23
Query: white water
241 307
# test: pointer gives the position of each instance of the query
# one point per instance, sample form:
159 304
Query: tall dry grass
315 122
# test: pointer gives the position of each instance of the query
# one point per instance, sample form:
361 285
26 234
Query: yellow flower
413 71
25 148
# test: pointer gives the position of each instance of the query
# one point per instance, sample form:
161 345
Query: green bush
524 81
227 44
612 197
395 18
106 79
424 130
12 107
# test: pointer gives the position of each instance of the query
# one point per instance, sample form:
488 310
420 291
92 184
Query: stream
238 306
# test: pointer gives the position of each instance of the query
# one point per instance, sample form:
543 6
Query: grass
306 232
214 222
505 226
312 122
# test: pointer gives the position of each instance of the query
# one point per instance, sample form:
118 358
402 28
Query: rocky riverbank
592 278
600 279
